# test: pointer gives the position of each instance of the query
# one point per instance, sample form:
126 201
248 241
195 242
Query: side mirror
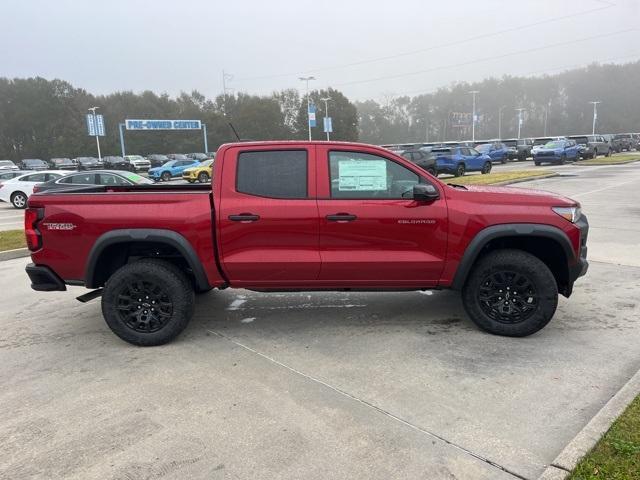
425 192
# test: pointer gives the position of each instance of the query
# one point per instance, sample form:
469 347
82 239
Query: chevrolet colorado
292 216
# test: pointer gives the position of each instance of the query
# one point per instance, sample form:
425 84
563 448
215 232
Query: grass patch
617 455
500 177
618 159
12 239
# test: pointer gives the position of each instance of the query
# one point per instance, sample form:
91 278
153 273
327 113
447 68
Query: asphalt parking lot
324 385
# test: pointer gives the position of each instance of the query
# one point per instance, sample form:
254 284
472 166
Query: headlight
571 214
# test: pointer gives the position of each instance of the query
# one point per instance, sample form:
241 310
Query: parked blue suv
557 151
498 151
173 168
458 160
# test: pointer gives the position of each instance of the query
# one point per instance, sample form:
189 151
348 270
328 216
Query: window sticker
359 175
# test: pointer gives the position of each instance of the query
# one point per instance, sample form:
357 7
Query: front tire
203 177
510 293
19 200
148 302
166 176
486 168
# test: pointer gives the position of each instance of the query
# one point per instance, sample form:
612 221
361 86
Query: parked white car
17 190
8 165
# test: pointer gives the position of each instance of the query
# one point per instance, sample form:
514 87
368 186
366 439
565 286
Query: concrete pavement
323 385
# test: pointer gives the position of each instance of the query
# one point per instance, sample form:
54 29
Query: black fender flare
132 235
507 230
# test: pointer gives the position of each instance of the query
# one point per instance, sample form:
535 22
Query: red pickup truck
292 216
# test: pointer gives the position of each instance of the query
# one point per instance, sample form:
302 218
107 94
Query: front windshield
5 163
557 144
207 163
170 163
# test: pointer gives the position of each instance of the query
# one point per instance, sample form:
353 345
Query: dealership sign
162 124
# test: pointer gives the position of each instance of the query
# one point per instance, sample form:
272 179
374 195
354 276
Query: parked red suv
290 216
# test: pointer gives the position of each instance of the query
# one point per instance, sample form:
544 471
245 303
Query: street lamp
520 110
95 122
595 116
306 80
473 116
546 117
500 120
326 111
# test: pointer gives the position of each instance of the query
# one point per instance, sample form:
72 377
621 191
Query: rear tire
148 302
536 163
595 154
503 160
608 154
460 170
510 293
563 159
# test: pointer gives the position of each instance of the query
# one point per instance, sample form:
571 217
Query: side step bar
90 296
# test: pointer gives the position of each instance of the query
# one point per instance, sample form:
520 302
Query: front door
372 232
268 217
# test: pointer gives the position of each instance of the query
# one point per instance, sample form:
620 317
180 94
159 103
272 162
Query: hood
515 196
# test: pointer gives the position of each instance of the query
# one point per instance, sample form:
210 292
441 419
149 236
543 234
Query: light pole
500 120
520 110
546 117
595 116
306 80
95 122
326 111
473 116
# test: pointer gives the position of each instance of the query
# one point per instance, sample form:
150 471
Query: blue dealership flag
328 127
312 115
91 125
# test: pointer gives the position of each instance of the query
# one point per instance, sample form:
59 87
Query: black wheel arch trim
508 230
168 237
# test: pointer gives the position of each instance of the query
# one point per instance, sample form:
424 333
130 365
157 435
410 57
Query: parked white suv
138 162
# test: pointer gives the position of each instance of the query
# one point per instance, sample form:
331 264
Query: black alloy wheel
508 297
144 306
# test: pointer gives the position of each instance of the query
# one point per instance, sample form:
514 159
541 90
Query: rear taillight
31 218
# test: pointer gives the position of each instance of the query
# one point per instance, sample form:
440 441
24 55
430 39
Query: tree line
42 118
552 105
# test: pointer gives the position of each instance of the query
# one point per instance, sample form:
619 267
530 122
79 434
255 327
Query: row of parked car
17 185
132 163
457 158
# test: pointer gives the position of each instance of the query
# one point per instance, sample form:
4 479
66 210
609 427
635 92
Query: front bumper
581 265
43 279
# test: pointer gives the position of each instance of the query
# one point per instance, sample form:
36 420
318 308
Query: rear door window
36 177
274 174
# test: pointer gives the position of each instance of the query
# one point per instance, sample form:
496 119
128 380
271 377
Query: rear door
268 217
372 232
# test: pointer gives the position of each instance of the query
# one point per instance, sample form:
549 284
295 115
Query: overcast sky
366 48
